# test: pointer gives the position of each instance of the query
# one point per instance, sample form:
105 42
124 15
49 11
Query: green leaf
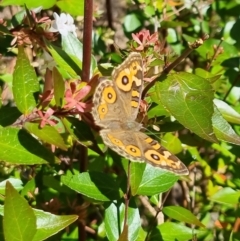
59 87
189 98
223 130
156 111
66 66
114 218
19 222
131 22
49 224
73 47
16 183
73 7
29 3
171 143
226 196
155 180
47 134
79 130
96 185
8 115
172 231
181 214
25 83
19 147
136 172
227 112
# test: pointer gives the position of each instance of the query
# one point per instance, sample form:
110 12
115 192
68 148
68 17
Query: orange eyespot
109 95
133 151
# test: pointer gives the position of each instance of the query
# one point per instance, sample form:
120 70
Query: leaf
47 134
156 111
49 224
136 172
181 214
74 48
73 7
16 183
114 220
66 66
25 83
19 221
189 98
19 147
223 130
29 3
172 231
228 113
226 196
131 22
8 115
59 87
155 181
171 143
81 132
96 185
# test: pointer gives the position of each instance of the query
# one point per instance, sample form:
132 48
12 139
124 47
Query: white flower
63 24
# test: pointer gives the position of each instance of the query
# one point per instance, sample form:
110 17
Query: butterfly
115 109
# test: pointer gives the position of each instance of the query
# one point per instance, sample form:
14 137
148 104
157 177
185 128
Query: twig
155 217
191 47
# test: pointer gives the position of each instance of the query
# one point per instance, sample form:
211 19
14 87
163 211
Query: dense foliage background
58 181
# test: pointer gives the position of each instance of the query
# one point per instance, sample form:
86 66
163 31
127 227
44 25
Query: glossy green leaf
59 87
181 214
49 224
227 111
25 83
96 185
131 22
136 172
226 196
19 147
47 134
29 3
223 129
114 218
19 222
171 143
189 98
73 7
73 47
16 183
66 66
155 180
156 111
172 231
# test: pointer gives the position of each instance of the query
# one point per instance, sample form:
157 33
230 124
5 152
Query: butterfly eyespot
102 111
109 95
154 157
125 80
115 141
133 151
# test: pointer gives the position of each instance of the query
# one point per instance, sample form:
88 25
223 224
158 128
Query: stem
127 195
87 39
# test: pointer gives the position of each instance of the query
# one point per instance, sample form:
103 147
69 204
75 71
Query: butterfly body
116 105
